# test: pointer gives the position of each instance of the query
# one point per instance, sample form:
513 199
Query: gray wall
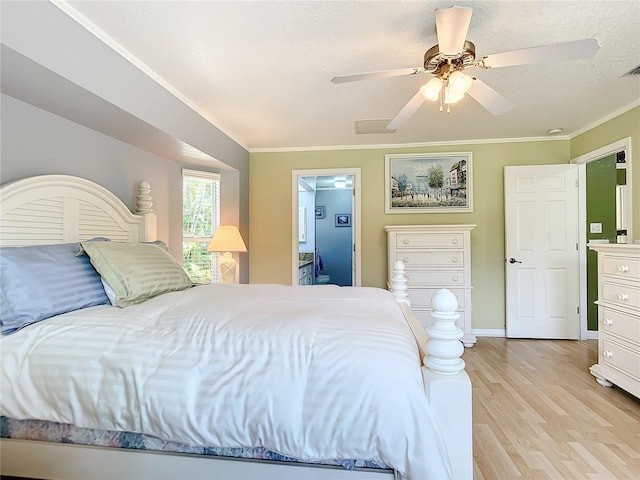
72 105
36 142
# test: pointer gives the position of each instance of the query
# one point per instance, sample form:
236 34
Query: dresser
618 316
435 257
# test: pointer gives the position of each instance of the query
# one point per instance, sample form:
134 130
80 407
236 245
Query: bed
175 380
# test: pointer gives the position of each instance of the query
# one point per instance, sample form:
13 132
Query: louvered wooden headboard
51 209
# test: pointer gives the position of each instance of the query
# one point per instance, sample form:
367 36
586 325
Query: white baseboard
489 332
592 334
501 332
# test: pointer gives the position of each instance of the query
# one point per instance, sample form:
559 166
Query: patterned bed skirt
66 433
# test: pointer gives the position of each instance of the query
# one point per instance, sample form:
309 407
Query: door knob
513 260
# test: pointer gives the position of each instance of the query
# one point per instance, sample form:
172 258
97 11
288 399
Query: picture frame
343 220
429 183
320 212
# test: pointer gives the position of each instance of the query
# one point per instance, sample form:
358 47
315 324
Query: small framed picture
319 211
343 219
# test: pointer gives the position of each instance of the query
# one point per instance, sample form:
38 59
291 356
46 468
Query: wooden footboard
447 385
58 461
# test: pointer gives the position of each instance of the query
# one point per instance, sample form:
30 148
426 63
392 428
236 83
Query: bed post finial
444 348
143 200
399 283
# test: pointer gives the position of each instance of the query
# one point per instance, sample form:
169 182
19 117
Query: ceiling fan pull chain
447 94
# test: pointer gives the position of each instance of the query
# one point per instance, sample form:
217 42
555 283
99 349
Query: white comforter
310 372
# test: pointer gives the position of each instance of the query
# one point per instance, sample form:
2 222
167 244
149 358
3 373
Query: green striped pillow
136 272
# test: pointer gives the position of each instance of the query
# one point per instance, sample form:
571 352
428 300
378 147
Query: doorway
621 194
621 149
326 225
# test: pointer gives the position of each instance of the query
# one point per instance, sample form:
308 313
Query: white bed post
144 204
447 385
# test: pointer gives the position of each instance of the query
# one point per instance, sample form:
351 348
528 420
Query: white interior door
541 246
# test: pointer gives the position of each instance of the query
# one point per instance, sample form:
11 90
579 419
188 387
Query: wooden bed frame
59 209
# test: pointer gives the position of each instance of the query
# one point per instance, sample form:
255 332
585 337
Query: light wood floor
538 413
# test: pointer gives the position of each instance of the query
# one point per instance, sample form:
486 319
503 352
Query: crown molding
136 62
412 145
606 118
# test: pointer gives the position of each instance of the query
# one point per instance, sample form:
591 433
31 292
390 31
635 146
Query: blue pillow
38 282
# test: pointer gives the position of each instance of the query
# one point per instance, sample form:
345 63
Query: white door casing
355 218
622 145
541 247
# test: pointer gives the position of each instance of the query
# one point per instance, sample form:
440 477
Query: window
200 219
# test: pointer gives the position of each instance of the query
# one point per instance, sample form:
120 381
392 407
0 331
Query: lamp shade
227 239
459 83
431 90
451 97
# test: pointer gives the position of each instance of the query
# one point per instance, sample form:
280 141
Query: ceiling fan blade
407 111
451 26
557 52
379 74
489 98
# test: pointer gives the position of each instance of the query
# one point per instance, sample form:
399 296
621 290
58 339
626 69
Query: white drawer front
621 295
421 297
620 324
431 259
623 267
434 240
621 358
439 278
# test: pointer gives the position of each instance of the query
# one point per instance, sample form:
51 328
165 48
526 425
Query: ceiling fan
453 54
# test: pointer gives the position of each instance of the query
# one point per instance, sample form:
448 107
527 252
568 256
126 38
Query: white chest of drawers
435 257
618 316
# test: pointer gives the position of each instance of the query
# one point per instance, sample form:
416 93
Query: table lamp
226 240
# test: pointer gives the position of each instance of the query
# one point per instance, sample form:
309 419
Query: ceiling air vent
373 126
633 72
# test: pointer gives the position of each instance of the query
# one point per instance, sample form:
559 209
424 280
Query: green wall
622 126
601 178
271 197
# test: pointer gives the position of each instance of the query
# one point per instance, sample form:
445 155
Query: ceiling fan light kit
453 54
431 89
448 88
459 82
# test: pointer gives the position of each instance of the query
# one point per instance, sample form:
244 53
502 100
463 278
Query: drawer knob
454 241
608 354
608 321
455 278
623 268
405 260
454 260
623 296
406 241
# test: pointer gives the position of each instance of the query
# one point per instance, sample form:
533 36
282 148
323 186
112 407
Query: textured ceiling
260 71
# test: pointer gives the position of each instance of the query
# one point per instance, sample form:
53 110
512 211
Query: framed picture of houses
429 183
